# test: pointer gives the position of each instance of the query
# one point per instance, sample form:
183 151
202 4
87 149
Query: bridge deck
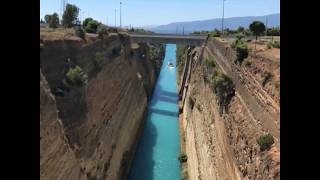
168 38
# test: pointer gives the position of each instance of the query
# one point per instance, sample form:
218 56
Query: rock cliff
89 131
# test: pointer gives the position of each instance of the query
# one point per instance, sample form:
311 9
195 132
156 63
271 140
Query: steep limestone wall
224 146
100 121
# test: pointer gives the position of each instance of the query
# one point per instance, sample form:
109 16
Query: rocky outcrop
90 131
224 145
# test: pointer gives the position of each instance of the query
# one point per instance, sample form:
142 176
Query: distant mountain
208 25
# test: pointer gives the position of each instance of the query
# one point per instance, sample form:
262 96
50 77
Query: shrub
276 44
242 52
102 31
265 142
236 43
92 26
247 62
240 36
224 89
191 102
210 63
80 33
76 76
98 59
269 45
183 158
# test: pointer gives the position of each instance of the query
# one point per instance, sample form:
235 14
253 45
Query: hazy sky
158 12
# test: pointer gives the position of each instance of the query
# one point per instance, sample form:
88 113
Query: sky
140 13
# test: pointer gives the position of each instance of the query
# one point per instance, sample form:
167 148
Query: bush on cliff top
242 52
265 142
80 33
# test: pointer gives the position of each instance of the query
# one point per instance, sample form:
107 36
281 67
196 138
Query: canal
157 153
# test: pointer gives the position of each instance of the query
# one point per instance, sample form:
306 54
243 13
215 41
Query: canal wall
90 131
222 145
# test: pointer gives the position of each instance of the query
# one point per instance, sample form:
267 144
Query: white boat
170 64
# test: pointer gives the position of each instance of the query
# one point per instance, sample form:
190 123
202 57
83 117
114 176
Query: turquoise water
157 153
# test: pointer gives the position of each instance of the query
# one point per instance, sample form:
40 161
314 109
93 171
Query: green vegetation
86 21
267 78
99 57
265 142
191 102
76 76
257 28
242 52
102 31
140 31
240 29
273 44
183 158
215 33
52 20
273 31
70 16
92 26
247 62
210 63
276 44
80 33
224 89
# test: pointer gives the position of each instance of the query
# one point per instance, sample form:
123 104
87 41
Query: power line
115 17
120 15
222 27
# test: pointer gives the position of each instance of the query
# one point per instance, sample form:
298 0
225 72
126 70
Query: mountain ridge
210 24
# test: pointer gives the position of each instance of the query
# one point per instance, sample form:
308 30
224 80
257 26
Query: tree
86 21
102 31
80 33
46 18
240 29
53 20
92 26
257 28
70 16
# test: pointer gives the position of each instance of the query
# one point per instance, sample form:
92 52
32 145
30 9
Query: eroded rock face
224 145
99 122
55 152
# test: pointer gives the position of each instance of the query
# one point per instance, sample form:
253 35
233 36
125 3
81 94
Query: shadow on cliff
143 163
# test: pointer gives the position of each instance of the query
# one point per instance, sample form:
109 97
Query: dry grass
48 34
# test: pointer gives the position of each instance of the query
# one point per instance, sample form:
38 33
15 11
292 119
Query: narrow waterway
157 153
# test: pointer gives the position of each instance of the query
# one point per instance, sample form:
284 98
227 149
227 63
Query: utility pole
120 15
115 18
266 25
182 30
222 28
